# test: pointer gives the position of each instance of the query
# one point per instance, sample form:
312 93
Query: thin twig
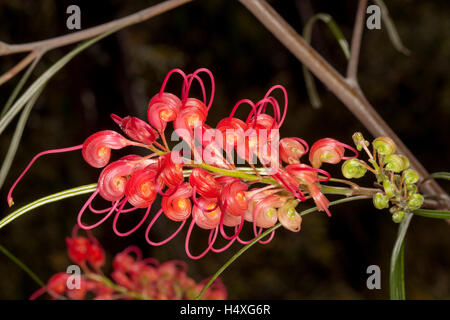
20 66
352 67
145 14
351 97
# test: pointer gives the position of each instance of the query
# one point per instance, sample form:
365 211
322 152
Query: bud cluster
395 178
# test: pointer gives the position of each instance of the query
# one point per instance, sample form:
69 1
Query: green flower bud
380 201
411 176
394 163
389 188
353 168
398 216
405 161
359 141
384 145
415 202
412 189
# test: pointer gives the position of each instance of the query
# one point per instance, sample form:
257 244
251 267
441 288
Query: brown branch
352 67
45 45
351 97
19 67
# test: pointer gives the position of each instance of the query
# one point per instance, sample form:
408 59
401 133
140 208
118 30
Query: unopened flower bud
394 163
389 188
380 201
353 168
412 189
405 161
384 145
398 216
359 141
289 217
411 176
415 202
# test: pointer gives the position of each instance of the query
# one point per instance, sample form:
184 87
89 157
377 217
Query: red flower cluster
132 277
217 194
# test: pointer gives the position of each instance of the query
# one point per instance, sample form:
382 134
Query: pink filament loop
276 109
194 199
188 237
350 148
249 102
193 76
152 222
222 231
83 209
166 79
135 250
285 101
116 218
303 142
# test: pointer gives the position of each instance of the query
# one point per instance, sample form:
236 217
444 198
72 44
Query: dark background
329 257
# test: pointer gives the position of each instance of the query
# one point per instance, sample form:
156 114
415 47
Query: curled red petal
97 148
177 207
163 108
113 180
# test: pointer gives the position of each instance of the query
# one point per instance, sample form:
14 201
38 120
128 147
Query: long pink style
10 198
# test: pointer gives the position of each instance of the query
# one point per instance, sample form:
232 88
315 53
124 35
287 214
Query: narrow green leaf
6 165
19 86
438 175
22 266
337 33
396 272
428 213
38 83
391 29
48 199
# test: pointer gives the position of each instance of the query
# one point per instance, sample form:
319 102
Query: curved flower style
214 193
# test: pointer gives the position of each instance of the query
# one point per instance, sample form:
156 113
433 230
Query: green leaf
48 199
6 165
337 33
391 29
396 272
19 86
428 213
46 76
438 175
22 266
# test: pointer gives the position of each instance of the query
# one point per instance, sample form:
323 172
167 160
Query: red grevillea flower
232 130
292 149
233 198
192 115
113 179
96 255
163 108
97 148
204 183
136 129
58 283
171 173
328 150
140 188
209 218
177 207
77 249
308 176
288 217
265 211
